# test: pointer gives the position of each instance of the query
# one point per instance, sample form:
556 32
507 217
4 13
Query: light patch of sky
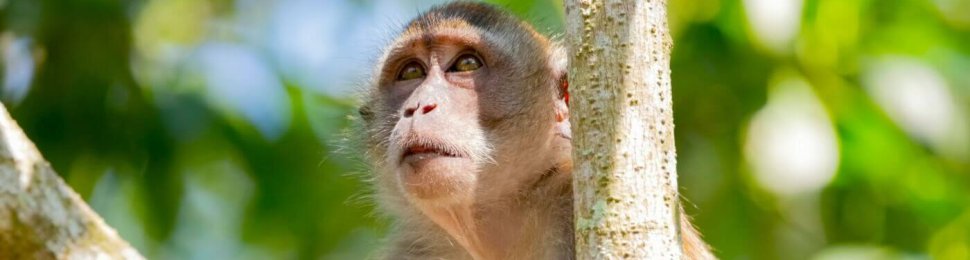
238 80
18 67
330 46
791 144
113 197
211 215
301 38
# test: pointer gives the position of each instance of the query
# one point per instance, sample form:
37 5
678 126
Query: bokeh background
211 129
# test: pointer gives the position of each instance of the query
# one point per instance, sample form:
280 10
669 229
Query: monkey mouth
424 150
428 149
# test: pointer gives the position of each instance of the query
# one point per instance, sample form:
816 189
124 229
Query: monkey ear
562 109
562 102
558 63
564 88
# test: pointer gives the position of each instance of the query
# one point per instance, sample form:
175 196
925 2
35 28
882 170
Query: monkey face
457 104
455 99
437 143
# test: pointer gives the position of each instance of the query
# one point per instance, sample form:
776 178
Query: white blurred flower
919 100
791 145
774 22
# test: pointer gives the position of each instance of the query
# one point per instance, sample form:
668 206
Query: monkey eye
411 71
467 62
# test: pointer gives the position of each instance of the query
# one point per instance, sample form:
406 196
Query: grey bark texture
40 216
625 180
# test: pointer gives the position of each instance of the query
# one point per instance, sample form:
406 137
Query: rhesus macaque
467 128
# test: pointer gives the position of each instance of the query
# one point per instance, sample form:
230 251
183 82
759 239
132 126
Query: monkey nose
409 112
427 108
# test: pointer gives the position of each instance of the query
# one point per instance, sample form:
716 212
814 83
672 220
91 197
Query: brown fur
508 195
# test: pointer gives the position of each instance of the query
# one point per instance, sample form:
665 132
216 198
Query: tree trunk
625 176
40 216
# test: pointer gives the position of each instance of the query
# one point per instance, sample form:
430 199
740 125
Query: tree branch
40 216
625 179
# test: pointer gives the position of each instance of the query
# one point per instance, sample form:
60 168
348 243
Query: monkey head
465 101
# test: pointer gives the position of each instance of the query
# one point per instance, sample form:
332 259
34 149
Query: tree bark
40 216
625 178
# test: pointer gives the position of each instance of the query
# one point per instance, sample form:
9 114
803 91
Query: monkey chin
437 178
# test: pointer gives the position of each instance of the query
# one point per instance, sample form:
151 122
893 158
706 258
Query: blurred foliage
213 129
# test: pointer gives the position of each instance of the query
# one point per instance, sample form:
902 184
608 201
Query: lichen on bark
625 177
40 216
